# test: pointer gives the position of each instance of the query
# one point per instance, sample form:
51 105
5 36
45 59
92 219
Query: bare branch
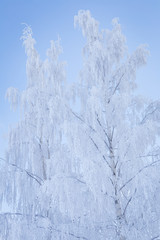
100 151
149 165
111 181
115 89
34 176
90 127
158 236
69 233
127 206
77 179
150 110
103 131
76 115
149 155
146 116
112 133
81 119
94 143
11 213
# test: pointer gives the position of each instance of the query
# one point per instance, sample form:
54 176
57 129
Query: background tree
33 142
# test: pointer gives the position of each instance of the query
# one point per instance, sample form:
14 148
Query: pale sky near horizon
140 21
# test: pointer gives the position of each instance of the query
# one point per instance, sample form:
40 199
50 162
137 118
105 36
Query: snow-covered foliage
87 174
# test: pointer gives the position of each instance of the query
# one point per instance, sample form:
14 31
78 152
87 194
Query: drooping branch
33 176
81 119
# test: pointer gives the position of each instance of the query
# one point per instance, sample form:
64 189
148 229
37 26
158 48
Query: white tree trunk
117 202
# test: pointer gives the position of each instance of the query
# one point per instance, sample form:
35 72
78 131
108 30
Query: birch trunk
118 208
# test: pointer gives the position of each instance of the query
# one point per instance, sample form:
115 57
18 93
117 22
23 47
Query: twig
126 206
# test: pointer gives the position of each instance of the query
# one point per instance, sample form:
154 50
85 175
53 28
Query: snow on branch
33 176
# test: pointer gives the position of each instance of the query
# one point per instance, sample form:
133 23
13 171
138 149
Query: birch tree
116 136
33 142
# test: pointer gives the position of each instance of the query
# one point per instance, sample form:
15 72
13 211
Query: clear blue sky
140 20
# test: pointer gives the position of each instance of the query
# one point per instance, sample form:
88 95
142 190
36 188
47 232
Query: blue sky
140 20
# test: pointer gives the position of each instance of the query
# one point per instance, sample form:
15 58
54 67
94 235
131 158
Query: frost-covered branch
69 233
153 108
147 166
77 179
81 119
90 127
116 88
100 152
104 132
124 212
34 176
157 237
